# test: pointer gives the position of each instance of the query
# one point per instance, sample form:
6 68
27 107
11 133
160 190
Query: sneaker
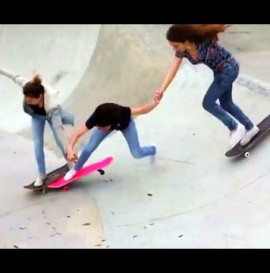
236 135
39 181
249 135
70 174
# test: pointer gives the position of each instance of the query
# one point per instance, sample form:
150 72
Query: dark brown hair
194 33
106 114
34 88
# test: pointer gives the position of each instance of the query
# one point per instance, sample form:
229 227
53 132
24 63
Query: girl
41 103
106 118
199 44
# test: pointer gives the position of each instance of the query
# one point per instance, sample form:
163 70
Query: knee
89 148
207 103
68 118
86 152
38 144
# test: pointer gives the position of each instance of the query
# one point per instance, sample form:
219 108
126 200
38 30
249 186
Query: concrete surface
192 197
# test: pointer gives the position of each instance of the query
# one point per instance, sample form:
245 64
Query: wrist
162 89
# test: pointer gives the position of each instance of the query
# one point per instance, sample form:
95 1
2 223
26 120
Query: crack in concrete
199 207
175 160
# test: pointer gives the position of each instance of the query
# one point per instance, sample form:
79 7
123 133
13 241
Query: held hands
158 96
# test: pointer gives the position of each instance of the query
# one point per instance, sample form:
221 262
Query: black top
110 114
38 110
33 109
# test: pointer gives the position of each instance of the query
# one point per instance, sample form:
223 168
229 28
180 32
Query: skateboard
239 150
52 177
98 166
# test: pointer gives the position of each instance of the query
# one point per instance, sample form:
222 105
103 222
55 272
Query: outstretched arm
71 154
144 109
169 77
16 78
171 74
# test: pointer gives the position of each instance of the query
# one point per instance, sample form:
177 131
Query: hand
72 155
158 96
155 103
156 100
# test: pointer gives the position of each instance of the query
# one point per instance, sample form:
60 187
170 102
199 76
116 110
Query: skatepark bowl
191 197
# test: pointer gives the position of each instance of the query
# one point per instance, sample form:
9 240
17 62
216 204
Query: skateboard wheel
43 191
66 188
247 154
101 172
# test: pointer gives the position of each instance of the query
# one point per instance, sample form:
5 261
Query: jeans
56 119
221 89
131 136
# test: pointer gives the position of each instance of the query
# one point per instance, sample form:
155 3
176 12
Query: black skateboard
51 177
239 150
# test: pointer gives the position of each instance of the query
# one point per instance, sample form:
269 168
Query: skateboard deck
239 150
61 182
52 176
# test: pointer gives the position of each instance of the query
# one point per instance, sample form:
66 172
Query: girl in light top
42 104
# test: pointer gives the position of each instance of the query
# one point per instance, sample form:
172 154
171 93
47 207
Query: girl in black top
106 118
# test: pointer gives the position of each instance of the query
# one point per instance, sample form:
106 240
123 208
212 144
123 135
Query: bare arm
75 137
71 153
171 74
16 78
144 109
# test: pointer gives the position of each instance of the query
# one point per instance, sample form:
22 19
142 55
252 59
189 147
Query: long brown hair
195 33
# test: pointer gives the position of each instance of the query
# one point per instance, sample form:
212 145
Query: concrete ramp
128 65
60 53
192 197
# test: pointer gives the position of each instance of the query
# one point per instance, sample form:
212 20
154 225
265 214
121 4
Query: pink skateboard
59 183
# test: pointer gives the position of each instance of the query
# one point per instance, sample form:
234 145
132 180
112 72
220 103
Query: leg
131 136
38 124
215 91
227 104
220 86
57 127
67 117
95 139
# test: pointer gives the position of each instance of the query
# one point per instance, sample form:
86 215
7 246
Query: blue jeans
221 89
56 120
131 136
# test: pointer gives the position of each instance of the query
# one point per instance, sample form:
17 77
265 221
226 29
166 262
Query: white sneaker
236 135
39 181
249 135
69 175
